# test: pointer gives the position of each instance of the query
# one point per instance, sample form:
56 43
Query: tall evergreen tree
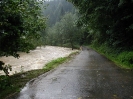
56 9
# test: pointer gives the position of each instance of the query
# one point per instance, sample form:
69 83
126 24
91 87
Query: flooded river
36 59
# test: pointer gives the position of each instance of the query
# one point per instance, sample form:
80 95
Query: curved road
88 76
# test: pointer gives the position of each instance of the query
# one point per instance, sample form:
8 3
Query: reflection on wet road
88 76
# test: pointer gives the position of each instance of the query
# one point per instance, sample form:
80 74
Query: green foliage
61 28
20 25
126 58
56 9
20 21
62 19
107 21
4 82
109 24
64 32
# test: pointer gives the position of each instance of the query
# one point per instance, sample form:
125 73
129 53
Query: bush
4 82
126 58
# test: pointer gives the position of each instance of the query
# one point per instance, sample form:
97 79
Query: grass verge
13 84
123 59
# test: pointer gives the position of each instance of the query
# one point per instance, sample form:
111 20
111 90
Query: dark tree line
108 22
109 26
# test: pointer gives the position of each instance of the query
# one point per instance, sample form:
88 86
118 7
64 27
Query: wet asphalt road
88 76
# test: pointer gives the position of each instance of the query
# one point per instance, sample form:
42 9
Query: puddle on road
36 59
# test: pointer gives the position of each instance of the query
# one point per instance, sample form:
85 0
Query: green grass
122 59
126 59
12 84
54 63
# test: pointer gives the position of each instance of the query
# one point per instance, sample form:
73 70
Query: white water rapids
36 59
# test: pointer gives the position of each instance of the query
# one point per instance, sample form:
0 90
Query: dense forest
55 9
61 24
109 24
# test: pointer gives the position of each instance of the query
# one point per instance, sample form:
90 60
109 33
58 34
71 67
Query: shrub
4 82
126 58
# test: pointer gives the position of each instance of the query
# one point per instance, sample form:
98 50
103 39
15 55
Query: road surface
88 76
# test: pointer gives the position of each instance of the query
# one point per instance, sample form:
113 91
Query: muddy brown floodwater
36 59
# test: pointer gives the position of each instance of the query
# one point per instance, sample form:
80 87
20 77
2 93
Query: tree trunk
71 41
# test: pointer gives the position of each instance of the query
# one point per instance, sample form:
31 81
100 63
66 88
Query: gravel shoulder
36 59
